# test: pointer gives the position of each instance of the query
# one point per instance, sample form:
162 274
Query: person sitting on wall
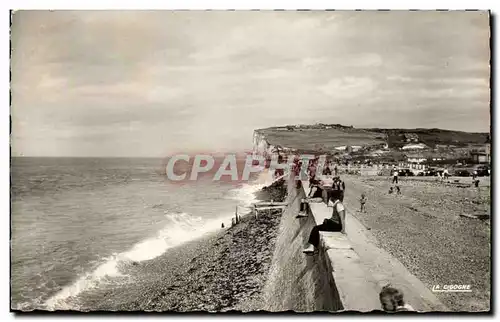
335 223
392 300
315 195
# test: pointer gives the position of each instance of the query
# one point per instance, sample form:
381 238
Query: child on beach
362 202
392 300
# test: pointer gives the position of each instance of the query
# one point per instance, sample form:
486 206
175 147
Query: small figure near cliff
335 223
222 225
392 300
362 202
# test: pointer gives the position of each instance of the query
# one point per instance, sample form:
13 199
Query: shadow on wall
298 282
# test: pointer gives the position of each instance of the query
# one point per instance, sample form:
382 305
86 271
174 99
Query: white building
418 146
415 159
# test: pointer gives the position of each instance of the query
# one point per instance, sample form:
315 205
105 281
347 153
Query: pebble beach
220 272
426 230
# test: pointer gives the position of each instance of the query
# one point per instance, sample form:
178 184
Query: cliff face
260 144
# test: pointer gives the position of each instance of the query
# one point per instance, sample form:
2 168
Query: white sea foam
246 193
181 228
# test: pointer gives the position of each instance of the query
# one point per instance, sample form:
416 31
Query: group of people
330 189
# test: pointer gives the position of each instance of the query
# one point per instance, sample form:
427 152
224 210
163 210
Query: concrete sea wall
298 282
347 273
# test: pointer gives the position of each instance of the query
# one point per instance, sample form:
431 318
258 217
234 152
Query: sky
153 83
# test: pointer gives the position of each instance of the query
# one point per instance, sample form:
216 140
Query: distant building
376 153
411 137
416 159
417 146
481 155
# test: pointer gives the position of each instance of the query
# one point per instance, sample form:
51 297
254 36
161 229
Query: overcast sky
141 83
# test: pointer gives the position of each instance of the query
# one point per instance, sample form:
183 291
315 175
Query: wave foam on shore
181 228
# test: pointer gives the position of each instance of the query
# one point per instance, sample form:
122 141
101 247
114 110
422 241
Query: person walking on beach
392 300
335 223
395 175
446 174
474 175
362 202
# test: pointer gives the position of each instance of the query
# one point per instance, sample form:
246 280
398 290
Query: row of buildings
470 154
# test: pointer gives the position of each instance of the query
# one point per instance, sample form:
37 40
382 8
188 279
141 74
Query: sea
75 220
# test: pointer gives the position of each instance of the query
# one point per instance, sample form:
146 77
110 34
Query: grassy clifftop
317 138
328 136
431 137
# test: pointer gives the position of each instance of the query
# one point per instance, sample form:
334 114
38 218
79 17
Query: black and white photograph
251 161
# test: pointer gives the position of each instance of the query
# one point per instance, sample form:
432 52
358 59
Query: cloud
146 82
348 87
